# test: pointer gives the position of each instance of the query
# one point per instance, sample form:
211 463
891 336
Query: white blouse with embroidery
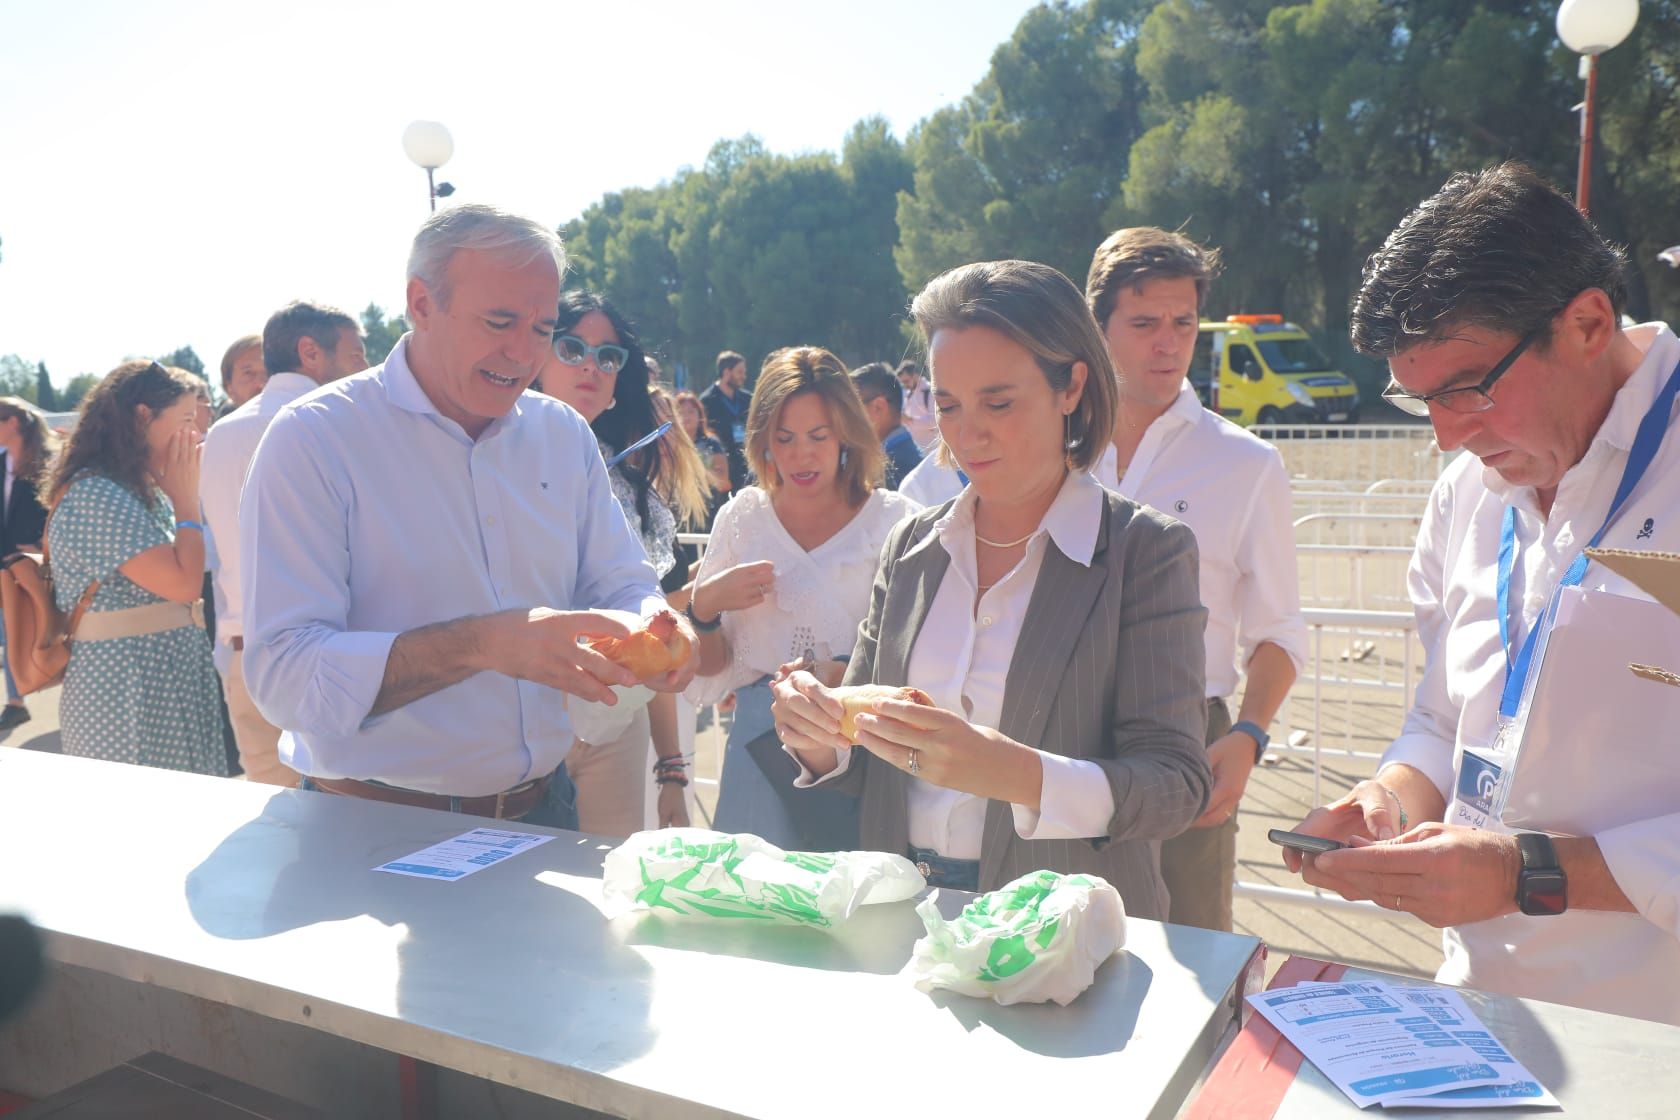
820 596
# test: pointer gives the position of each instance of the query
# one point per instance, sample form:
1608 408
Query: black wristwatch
701 627
1542 888
1257 733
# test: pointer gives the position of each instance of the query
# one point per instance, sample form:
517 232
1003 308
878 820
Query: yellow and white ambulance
1268 371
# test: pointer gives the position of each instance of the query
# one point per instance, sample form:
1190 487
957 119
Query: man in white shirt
1146 288
307 345
920 417
1497 305
417 541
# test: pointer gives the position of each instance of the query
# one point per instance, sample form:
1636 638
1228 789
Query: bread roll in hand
656 649
860 698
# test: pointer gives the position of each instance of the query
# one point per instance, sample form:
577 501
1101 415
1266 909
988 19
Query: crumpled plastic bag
1036 939
594 722
699 873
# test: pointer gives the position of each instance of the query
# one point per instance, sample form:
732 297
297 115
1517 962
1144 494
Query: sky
172 171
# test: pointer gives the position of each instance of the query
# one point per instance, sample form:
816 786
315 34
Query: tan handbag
37 632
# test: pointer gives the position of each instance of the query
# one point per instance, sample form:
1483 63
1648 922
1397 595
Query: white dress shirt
1628 964
228 448
820 596
366 514
921 417
961 659
1231 488
930 484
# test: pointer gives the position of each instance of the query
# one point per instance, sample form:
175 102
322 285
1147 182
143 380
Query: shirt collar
1633 400
1070 522
897 435
403 389
290 382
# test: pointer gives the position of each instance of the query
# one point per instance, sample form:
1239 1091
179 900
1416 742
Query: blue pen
651 437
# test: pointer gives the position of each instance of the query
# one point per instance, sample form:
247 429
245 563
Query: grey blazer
1110 667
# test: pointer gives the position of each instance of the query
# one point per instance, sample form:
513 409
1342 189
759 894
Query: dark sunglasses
572 350
1468 398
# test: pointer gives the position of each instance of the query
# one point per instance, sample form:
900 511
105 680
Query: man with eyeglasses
1498 307
424 544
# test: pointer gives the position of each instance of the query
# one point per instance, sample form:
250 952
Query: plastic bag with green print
1036 939
698 873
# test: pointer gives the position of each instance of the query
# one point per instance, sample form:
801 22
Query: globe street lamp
1589 28
428 145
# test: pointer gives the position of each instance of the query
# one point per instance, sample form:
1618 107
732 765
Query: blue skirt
756 793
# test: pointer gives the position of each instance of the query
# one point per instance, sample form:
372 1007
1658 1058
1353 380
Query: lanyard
1645 446
651 437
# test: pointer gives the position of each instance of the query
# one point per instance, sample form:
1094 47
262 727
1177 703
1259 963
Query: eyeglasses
1468 398
572 350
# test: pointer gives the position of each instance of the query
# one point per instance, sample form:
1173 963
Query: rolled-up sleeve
1269 585
1644 859
305 669
613 568
1430 730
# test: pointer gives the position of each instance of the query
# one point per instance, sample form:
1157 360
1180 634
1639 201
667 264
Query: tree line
1293 136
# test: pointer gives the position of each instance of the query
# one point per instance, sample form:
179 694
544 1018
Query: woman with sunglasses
125 541
786 578
597 365
29 444
1056 626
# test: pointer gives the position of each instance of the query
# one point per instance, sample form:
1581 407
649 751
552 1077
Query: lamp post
1589 28
428 145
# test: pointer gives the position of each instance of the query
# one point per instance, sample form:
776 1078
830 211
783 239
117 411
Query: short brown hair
1040 309
811 369
299 320
1130 258
240 347
728 359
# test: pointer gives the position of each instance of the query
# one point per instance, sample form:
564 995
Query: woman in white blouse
1055 625
786 578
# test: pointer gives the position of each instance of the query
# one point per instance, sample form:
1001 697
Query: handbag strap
86 601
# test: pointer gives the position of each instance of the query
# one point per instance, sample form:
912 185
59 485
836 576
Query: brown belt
509 805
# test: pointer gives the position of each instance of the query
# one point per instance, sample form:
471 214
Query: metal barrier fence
1356 451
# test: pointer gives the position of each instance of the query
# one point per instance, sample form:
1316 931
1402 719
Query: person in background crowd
786 578
205 414
140 686
597 366
442 684
919 414
243 372
1054 624
691 415
1498 307
307 345
29 445
883 402
727 403
1145 289
676 581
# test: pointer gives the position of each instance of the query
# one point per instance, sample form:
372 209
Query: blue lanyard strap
1646 443
651 437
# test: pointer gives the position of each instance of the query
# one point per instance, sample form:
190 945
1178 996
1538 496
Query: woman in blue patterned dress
141 686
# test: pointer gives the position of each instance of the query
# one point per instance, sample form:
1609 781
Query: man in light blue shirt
423 545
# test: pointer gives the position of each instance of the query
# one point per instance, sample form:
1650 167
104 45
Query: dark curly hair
110 436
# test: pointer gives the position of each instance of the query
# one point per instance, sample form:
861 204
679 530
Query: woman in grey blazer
1055 625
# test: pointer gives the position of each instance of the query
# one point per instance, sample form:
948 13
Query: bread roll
656 649
860 698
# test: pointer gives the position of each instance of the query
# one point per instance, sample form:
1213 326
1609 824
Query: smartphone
1301 842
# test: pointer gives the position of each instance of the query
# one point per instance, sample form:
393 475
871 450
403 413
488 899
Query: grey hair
487 229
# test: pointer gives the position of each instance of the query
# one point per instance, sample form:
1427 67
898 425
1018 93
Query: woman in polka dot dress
140 687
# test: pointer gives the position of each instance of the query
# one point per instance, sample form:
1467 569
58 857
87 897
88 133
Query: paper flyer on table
1397 1046
465 854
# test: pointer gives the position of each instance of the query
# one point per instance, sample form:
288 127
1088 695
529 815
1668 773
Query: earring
767 456
1067 431
610 402
842 458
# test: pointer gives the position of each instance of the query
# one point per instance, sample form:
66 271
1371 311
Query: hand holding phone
1301 842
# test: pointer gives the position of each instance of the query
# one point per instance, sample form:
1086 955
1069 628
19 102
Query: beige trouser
259 740
612 780
1200 864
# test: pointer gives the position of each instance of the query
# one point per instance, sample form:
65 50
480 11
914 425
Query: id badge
1481 775
740 431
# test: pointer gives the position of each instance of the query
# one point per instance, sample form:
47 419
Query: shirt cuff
806 779
1644 859
1425 753
1076 802
349 671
